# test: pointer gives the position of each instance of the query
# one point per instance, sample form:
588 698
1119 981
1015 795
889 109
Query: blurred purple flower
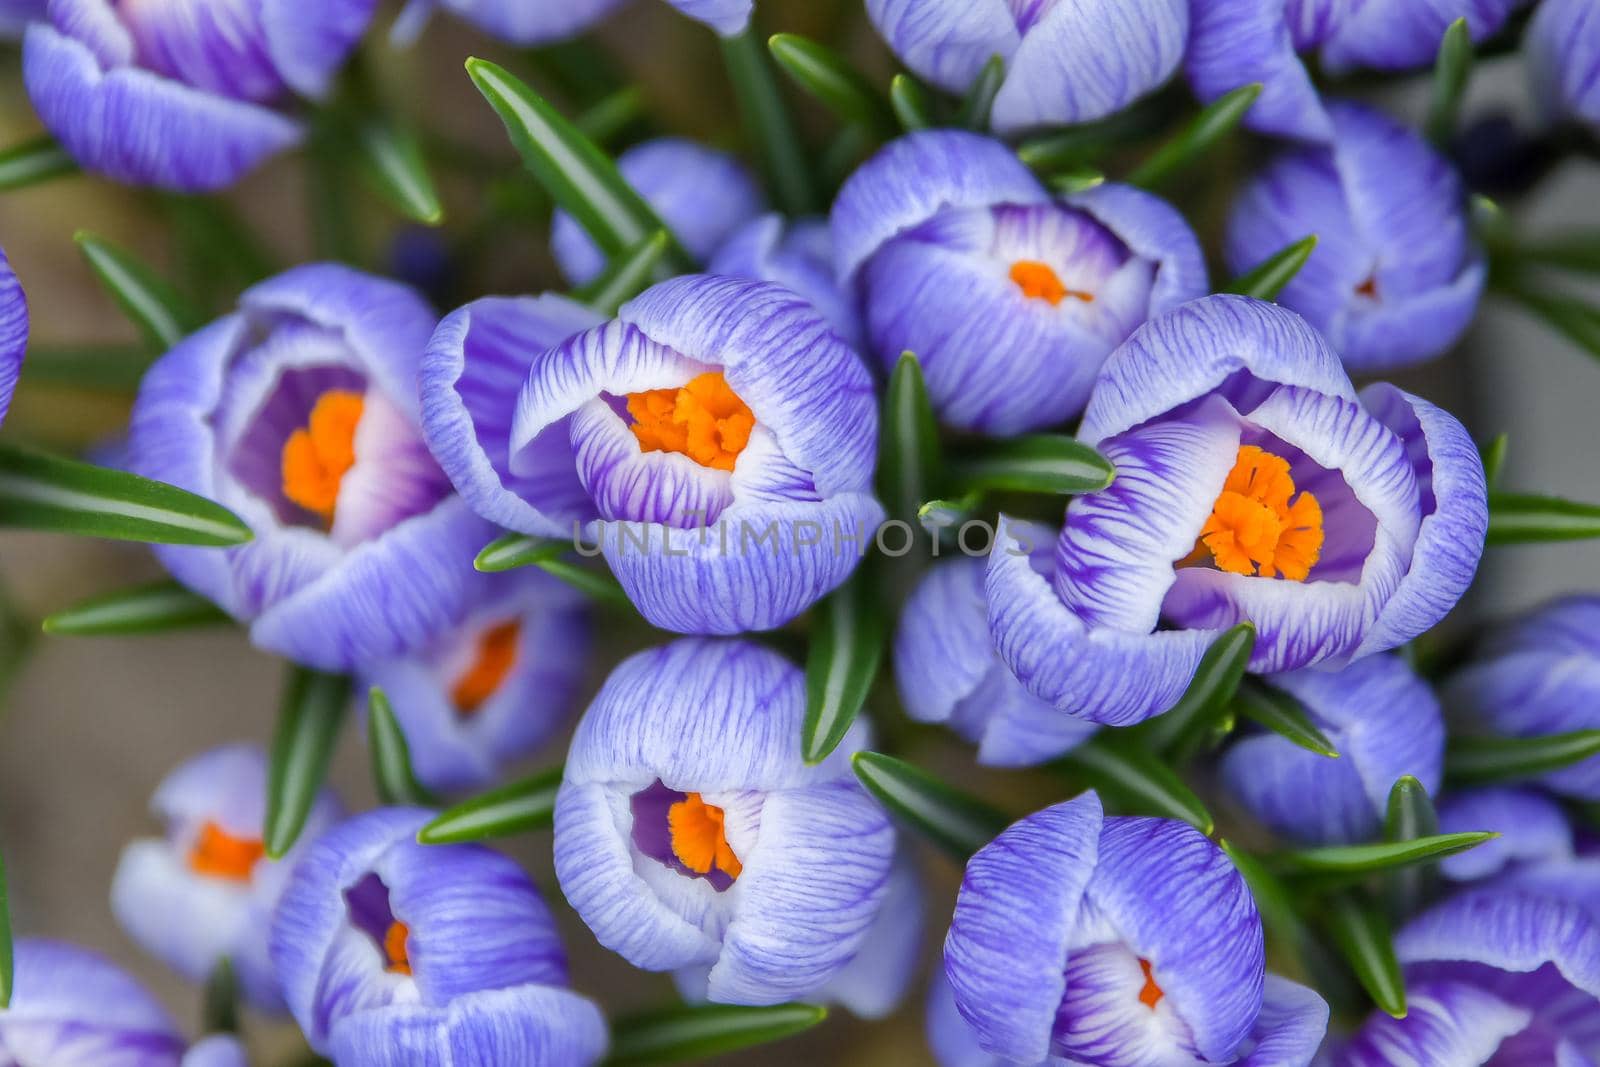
529 22
1532 827
16 14
797 255
1563 49
1252 483
13 332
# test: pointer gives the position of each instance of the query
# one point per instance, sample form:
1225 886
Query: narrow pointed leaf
829 77
1450 73
314 708
33 162
1209 695
1577 251
1569 316
1363 937
395 165
1036 463
978 104
600 586
1268 279
911 103
42 492
144 609
101 368
390 754
572 169
514 550
626 275
768 124
1136 781
846 649
518 808
1481 760
7 960
685 1034
955 821
1372 858
1076 180
1494 458
162 316
939 515
1214 123
910 459
1410 815
1524 518
1281 713
219 1008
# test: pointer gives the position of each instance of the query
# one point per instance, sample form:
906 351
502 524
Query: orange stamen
698 839
497 654
1151 994
218 854
316 458
397 948
1254 527
705 420
1039 282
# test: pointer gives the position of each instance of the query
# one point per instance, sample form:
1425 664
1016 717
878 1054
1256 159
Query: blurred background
89 727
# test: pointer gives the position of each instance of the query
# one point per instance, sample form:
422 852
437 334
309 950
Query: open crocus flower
692 837
717 439
1532 827
1066 62
299 412
527 22
1084 939
494 688
13 332
152 92
797 255
392 953
1253 483
1010 297
1396 275
73 1008
1563 48
947 671
701 194
1535 676
205 890
1383 721
1501 977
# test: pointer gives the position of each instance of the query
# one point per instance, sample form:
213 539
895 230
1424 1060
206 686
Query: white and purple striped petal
528 1025
796 255
1447 1024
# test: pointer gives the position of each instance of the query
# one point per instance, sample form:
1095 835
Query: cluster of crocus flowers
74 1008
716 440
692 837
392 953
1396 275
1384 723
147 93
204 891
1079 938
13 332
1010 297
299 412
1066 61
1220 419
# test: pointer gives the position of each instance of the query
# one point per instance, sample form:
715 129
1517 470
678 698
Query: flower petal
1289 1028
1446 1024
1564 58
1154 230
1234 43
13 332
523 1026
1532 829
946 41
874 983
797 256
1509 931
1406 34
310 44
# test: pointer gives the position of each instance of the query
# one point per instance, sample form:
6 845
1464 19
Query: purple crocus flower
691 835
1538 675
1383 721
299 412
874 983
947 670
1010 297
797 255
717 440
1066 62
527 22
1396 276
16 14
13 332
1563 49
494 688
181 94
1252 483
73 1007
1496 976
701 194
1239 42
1532 827
392 953
1079 938
205 890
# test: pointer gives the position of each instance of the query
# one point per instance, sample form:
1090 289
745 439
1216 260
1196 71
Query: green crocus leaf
1281 713
845 652
390 755
1218 120
155 608
955 821
1525 518
1362 935
684 1034
314 708
1269 278
1034 463
161 314
1483 760
521 807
